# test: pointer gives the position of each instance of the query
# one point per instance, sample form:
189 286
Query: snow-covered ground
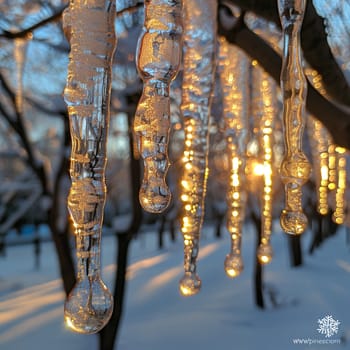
222 316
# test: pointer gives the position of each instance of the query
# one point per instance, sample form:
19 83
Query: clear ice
233 66
264 113
320 141
89 26
158 60
199 41
339 214
295 167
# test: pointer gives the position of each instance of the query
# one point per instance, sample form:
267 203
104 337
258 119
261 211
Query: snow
221 316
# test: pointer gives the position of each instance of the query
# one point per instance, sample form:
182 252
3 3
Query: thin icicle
234 75
332 167
264 113
198 77
320 141
340 202
295 167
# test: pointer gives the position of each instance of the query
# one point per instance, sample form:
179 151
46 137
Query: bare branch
314 43
335 119
18 125
28 31
56 17
130 9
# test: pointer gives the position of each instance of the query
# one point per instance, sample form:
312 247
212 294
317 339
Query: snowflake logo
328 326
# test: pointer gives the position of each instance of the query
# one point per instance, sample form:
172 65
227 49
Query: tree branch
335 119
56 16
314 44
130 9
28 31
19 127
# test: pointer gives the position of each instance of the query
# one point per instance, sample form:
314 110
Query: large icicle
264 112
158 60
198 76
295 168
234 75
89 24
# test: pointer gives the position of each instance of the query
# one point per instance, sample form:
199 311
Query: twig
316 104
26 32
55 17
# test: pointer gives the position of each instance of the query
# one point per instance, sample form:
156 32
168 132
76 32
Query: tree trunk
65 259
330 228
172 230
161 232
219 218
258 270
295 251
317 233
325 228
60 236
109 334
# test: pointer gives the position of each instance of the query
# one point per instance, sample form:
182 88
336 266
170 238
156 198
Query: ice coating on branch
89 25
198 76
264 112
158 60
234 75
295 168
320 140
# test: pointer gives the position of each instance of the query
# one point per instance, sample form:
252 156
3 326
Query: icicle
234 72
295 168
320 140
340 202
198 77
264 111
20 48
89 24
332 166
158 60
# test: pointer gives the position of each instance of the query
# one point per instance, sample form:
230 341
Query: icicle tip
190 284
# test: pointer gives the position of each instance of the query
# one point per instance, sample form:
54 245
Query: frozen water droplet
89 306
190 284
233 265
264 253
293 222
154 200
